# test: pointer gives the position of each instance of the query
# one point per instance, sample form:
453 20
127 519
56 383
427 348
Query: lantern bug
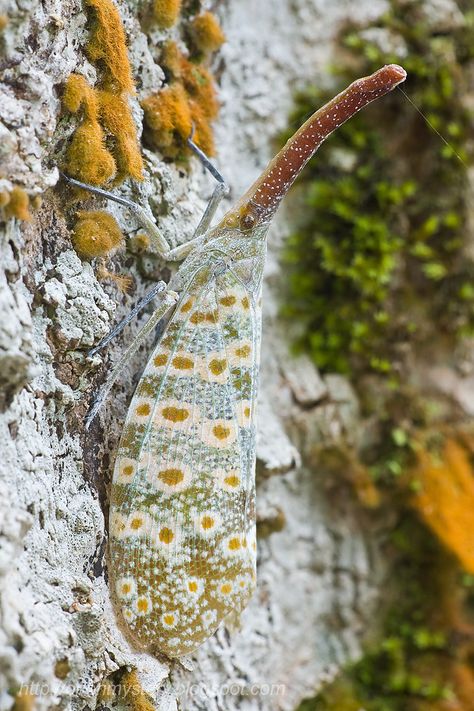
182 510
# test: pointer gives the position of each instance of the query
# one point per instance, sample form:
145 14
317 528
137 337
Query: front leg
169 300
158 288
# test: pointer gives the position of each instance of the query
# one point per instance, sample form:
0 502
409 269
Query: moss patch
377 258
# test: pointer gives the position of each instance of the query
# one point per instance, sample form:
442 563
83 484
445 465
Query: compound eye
247 222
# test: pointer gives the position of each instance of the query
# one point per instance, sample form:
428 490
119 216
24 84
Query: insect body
183 498
182 524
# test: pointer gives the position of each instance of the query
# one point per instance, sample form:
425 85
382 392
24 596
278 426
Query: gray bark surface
320 576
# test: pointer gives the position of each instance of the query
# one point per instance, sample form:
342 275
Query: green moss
377 257
380 275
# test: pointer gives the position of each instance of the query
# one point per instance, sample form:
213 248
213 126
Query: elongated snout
260 202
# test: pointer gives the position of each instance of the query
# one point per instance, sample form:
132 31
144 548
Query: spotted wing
182 509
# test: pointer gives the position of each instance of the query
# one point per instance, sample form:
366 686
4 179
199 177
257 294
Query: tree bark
320 575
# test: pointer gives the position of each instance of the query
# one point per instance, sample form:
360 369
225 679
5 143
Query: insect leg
159 242
220 191
158 288
205 160
169 300
182 250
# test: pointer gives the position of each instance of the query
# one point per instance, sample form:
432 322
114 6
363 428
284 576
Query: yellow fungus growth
446 498
17 205
199 84
107 47
205 33
165 13
132 692
96 234
203 135
117 120
171 113
24 701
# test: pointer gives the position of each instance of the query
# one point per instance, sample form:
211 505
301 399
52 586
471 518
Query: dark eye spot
247 222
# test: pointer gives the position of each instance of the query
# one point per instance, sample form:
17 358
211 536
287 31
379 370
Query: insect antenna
433 128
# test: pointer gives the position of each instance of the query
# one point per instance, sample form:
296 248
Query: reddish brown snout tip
388 77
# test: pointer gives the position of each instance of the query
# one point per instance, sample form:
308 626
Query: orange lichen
171 59
96 234
87 158
18 204
24 701
132 692
78 93
168 119
3 22
199 85
139 243
117 119
190 98
203 135
107 115
165 13
171 113
4 198
205 33
107 47
446 498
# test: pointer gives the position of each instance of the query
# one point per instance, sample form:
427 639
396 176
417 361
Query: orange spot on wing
217 366
228 300
182 363
202 316
160 359
234 544
207 522
171 477
221 432
175 414
166 535
143 410
142 604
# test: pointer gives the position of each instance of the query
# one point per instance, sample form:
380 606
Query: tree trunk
319 576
